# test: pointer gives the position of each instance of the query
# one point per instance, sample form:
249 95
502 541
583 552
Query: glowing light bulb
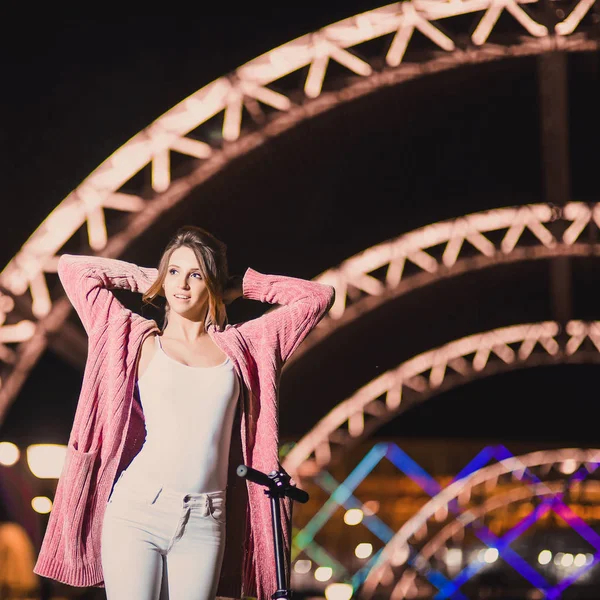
353 516
558 558
338 591
568 466
363 550
46 460
579 560
371 507
567 560
453 557
41 504
490 555
9 454
323 573
302 566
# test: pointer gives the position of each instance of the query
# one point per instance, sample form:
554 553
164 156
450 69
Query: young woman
148 504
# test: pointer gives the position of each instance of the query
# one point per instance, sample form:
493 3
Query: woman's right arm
88 279
303 304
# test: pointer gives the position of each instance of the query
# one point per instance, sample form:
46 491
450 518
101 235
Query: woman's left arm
304 302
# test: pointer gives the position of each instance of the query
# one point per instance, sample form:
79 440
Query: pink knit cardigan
109 430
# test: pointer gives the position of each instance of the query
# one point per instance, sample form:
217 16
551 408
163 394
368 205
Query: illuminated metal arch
435 371
247 87
466 247
379 274
396 547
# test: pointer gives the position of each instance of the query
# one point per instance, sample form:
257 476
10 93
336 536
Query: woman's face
184 286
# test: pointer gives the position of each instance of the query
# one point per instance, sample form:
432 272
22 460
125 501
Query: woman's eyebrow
192 269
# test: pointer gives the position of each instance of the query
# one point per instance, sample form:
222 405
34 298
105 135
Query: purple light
552 503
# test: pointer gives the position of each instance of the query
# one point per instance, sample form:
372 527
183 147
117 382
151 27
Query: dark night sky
76 90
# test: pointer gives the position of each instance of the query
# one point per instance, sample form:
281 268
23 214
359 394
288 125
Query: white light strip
427 371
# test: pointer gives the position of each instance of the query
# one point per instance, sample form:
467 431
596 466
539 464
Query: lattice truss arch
392 569
404 585
462 244
448 248
429 373
248 87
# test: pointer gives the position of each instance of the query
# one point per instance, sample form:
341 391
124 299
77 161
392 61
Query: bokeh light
363 550
9 454
41 504
302 566
353 516
46 460
338 591
323 573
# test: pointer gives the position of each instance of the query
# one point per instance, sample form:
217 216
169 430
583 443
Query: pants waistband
152 491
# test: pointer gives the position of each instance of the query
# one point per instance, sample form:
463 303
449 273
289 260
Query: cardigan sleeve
87 281
304 304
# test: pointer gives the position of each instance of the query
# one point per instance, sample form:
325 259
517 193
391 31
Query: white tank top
189 413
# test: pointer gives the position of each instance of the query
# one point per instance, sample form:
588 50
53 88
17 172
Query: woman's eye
171 271
199 276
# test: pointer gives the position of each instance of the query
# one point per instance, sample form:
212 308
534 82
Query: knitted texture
108 429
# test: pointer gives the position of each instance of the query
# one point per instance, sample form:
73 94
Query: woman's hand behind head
233 290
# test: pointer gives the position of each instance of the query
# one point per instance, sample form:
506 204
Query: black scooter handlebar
276 481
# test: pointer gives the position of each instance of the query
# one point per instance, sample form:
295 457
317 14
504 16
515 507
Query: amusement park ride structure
255 106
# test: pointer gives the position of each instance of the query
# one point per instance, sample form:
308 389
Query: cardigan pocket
78 470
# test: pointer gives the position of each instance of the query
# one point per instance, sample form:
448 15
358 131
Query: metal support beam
70 343
552 86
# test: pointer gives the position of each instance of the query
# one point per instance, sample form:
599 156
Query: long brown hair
211 254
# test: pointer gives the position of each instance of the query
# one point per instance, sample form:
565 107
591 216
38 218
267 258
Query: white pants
158 544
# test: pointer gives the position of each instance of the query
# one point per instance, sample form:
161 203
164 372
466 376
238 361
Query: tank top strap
155 357
159 352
